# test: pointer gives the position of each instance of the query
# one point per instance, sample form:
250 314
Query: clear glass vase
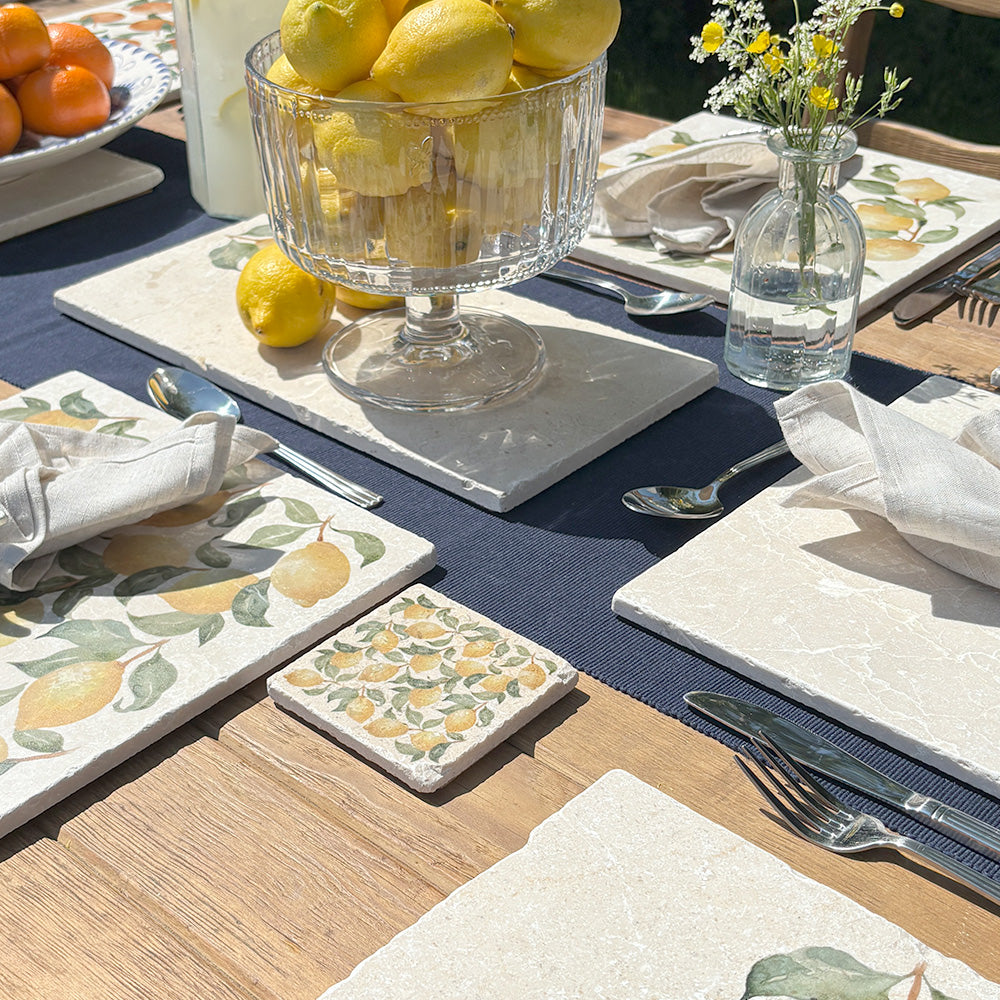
798 261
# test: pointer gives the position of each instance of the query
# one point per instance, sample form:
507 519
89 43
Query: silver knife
819 754
917 304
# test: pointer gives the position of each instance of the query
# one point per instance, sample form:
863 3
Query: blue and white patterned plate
141 82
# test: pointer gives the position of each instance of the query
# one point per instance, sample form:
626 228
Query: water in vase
779 338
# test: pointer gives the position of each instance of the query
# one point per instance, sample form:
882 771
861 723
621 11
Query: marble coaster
600 385
422 686
837 611
68 189
625 894
136 631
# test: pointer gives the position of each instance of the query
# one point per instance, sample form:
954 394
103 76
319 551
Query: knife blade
819 754
917 304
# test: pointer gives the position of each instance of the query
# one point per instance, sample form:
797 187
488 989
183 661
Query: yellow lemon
422 697
433 227
332 43
494 682
887 248
531 675
58 418
368 90
425 630
385 641
386 728
422 662
278 302
447 50
128 554
922 189
360 708
283 73
367 300
426 740
478 647
68 694
206 592
374 152
187 513
310 574
304 677
378 672
344 660
460 720
524 78
560 35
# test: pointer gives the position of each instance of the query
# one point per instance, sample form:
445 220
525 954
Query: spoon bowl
664 303
693 501
182 393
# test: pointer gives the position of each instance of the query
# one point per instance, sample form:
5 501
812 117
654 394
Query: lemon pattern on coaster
111 626
421 676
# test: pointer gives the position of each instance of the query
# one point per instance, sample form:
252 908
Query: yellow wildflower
823 98
896 10
712 36
773 60
759 44
823 47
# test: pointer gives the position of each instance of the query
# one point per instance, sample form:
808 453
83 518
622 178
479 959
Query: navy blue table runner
548 568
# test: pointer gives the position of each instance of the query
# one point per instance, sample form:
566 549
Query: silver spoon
687 501
182 393
663 303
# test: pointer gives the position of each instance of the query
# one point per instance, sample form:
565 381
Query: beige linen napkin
687 201
60 485
943 496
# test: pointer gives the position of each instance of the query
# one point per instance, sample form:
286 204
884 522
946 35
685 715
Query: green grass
953 59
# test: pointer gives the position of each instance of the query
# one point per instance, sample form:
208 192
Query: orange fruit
24 40
10 121
75 45
63 101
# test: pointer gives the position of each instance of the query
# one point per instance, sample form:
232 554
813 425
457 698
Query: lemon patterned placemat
600 385
916 217
135 632
422 686
625 894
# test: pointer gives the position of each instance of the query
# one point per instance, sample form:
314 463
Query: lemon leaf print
38 740
11 693
39 668
64 604
952 204
250 605
370 548
886 172
121 428
100 640
147 682
209 555
276 536
80 562
77 406
147 580
168 624
299 511
817 972
238 511
938 235
210 627
31 406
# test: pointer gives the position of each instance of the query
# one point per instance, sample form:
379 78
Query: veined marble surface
625 894
837 611
600 386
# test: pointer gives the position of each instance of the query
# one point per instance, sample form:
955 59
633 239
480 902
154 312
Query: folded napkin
61 486
688 201
943 496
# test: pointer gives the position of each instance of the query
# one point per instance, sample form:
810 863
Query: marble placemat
68 189
916 216
600 386
836 611
625 894
133 633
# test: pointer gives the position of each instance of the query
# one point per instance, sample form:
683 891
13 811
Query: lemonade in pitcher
213 37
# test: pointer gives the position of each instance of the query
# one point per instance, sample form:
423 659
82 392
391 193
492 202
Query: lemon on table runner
332 43
278 302
447 50
560 35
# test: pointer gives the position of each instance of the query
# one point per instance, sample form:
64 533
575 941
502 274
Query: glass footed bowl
427 201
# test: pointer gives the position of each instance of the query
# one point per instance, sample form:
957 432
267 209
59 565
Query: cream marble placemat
625 894
600 385
133 633
836 611
68 189
916 217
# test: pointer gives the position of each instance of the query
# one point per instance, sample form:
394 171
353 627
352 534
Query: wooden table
246 856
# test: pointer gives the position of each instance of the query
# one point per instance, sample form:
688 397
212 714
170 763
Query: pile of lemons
426 204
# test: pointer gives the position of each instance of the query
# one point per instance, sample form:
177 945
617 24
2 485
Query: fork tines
798 798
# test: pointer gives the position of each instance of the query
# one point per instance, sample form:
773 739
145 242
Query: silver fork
821 818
